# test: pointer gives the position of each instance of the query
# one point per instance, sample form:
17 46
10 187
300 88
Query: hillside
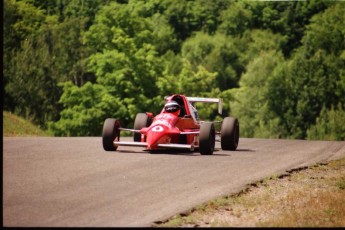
14 126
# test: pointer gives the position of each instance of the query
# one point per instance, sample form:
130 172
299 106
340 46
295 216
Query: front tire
110 133
142 120
207 138
230 133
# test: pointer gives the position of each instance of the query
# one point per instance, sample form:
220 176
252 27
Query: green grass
15 126
312 197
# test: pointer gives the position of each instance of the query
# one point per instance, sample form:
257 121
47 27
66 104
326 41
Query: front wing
144 144
167 146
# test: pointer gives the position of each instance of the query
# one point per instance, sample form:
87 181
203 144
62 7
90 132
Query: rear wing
208 100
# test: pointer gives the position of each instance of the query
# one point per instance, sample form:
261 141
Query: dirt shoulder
309 197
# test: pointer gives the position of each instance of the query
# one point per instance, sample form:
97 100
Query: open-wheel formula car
177 126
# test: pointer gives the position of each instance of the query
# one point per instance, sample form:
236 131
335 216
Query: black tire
110 133
207 138
141 121
230 134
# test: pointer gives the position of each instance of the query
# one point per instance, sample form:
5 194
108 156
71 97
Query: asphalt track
73 182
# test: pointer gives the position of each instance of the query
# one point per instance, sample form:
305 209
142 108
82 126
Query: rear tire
230 133
207 138
141 121
110 133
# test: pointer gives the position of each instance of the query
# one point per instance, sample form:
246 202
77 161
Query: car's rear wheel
142 120
207 138
230 134
110 133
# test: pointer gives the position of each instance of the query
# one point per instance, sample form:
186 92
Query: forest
279 66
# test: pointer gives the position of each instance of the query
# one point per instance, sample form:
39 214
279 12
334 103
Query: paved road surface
73 182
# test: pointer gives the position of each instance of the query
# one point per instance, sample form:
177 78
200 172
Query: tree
125 64
31 85
189 16
250 103
47 52
329 125
135 52
288 18
313 78
84 110
20 21
235 19
217 53
326 31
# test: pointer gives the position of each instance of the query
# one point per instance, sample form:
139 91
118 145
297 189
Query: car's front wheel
230 133
207 138
142 120
110 134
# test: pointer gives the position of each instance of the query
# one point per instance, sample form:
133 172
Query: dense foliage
278 65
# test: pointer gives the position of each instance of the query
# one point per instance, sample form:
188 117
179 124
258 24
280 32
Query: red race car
177 126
